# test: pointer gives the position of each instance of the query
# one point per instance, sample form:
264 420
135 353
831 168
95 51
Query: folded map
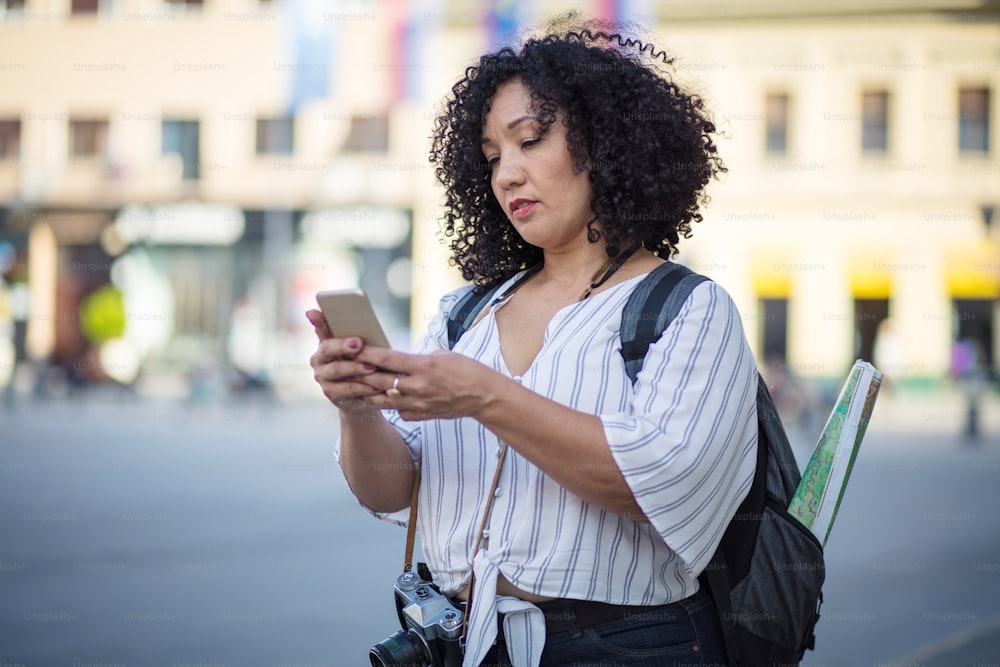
817 498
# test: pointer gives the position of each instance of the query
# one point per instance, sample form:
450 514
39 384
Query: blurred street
145 533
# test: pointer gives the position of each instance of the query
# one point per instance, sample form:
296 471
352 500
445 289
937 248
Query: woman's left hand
440 385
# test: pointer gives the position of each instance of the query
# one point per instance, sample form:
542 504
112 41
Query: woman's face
532 175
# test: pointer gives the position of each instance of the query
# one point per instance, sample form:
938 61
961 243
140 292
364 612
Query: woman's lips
523 210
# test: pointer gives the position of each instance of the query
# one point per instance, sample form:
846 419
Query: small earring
592 234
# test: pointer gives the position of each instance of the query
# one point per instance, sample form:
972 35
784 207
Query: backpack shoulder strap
465 311
651 308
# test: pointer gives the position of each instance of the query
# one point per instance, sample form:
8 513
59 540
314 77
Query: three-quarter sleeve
435 338
686 444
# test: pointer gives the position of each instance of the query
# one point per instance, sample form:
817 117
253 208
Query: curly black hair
646 144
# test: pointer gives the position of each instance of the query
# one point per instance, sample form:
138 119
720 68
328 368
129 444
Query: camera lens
403 648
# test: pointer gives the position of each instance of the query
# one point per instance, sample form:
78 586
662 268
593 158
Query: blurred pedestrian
968 373
888 354
248 346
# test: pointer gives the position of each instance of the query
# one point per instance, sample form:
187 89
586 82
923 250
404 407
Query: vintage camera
432 628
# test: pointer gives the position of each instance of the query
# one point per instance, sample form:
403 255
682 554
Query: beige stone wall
820 215
826 210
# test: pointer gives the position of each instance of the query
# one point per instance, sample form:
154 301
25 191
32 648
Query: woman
578 158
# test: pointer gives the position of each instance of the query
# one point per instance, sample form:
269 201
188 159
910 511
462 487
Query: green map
805 504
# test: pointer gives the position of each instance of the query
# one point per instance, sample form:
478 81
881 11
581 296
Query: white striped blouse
684 437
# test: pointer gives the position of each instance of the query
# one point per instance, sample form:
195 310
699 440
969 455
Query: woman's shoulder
704 298
653 268
451 298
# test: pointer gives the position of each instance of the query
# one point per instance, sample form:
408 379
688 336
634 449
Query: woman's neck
573 268
584 271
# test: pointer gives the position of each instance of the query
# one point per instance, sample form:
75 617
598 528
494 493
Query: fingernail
369 367
354 344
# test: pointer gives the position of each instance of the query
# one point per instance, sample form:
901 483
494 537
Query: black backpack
767 574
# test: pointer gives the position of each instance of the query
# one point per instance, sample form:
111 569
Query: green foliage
102 315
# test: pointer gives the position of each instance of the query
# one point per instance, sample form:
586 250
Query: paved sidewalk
943 411
946 412
979 646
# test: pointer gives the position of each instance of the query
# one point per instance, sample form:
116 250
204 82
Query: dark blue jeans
680 634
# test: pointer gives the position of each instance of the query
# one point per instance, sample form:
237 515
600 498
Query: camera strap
501 455
411 527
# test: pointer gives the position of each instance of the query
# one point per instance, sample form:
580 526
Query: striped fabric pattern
684 437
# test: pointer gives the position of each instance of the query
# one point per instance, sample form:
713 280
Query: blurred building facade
220 161
856 220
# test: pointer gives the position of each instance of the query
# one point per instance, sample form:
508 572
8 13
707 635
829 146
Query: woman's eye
492 162
530 142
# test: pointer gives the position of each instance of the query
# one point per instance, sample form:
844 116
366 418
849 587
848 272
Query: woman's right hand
337 371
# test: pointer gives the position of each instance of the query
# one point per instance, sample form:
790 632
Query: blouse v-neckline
546 335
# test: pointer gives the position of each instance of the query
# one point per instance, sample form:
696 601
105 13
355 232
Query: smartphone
349 313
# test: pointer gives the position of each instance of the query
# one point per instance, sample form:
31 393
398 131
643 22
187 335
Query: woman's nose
508 173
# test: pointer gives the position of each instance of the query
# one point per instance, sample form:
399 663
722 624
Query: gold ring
394 392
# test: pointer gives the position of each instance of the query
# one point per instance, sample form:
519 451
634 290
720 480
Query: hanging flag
423 25
398 42
503 22
626 11
607 10
309 39
637 11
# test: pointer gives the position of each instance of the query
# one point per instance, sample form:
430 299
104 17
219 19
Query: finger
316 318
402 402
384 381
389 360
331 349
346 392
343 370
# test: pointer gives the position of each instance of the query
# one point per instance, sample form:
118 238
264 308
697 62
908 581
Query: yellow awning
972 269
871 273
771 275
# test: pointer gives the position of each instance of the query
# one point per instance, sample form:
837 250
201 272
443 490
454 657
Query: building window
84 6
181 137
275 136
974 120
88 138
368 134
875 121
11 6
776 111
10 139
